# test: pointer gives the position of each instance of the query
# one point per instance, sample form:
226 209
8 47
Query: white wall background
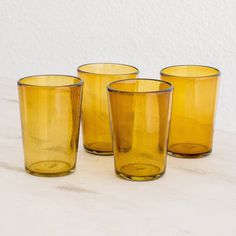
55 36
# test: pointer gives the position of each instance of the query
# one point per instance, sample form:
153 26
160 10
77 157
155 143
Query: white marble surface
194 197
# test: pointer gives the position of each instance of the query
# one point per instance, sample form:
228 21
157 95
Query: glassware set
132 118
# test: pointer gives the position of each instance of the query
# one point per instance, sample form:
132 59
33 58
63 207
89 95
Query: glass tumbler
95 119
140 117
193 111
50 119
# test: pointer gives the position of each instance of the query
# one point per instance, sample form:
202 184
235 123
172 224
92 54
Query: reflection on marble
194 197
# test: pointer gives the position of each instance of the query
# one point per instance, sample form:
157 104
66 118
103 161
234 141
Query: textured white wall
55 36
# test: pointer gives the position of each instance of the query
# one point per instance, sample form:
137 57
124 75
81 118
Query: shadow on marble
75 189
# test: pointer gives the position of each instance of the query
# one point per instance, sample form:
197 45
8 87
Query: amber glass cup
193 111
50 118
95 120
140 117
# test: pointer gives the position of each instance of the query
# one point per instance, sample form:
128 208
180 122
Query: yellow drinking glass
95 120
50 118
193 111
140 117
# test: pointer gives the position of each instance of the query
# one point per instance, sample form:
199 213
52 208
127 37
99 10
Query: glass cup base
136 172
137 178
188 150
49 169
190 156
98 152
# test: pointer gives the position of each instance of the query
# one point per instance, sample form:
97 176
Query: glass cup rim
192 65
170 89
20 81
108 74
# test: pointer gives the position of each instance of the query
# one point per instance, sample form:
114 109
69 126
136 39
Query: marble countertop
194 197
